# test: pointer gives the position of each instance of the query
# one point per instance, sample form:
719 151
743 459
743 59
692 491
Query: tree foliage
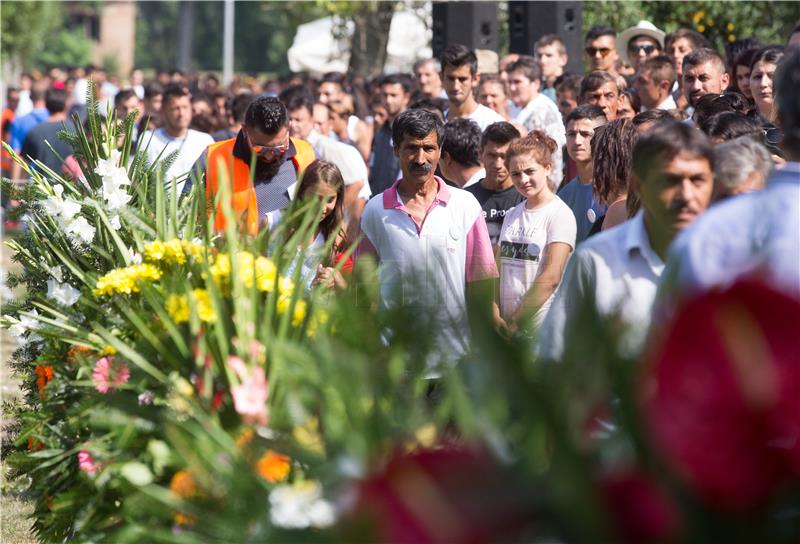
721 22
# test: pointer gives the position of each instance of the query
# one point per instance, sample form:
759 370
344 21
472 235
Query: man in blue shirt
21 126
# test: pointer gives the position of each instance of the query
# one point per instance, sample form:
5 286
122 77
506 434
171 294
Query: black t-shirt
35 146
495 204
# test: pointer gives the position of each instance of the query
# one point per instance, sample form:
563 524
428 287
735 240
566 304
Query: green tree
721 22
25 26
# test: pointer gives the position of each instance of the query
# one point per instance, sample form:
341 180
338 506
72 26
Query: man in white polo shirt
430 240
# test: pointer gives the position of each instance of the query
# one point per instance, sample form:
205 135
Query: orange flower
45 376
273 466
34 444
75 352
245 438
183 485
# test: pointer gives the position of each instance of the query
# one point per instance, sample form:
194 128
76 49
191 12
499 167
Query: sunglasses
267 151
634 49
592 51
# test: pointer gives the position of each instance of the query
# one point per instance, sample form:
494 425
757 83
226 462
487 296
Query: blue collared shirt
755 234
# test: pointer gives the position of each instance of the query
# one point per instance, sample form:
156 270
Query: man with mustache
703 73
430 239
619 269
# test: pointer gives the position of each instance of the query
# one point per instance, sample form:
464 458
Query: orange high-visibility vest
222 164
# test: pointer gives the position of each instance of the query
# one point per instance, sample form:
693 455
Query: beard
267 170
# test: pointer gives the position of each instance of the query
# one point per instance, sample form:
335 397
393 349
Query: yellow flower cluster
172 251
259 270
178 307
125 281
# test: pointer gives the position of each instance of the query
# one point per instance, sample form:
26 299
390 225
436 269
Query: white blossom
115 223
23 325
57 272
81 230
63 293
106 167
116 198
62 209
299 506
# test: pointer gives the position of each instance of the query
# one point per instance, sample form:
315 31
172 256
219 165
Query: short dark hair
528 66
335 77
175 90
571 83
403 80
664 142
418 123
550 39
728 125
239 104
595 80
434 105
457 55
710 105
153 88
651 116
268 114
787 99
586 111
124 95
55 100
462 141
737 47
661 69
202 96
500 133
600 30
702 56
697 40
296 97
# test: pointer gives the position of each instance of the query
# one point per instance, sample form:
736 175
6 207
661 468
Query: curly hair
537 144
612 159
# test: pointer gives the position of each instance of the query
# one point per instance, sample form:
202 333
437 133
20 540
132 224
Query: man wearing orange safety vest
279 162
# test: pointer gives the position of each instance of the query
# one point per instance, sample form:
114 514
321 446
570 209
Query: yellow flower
730 27
154 251
307 435
108 350
221 269
266 271
731 38
126 280
205 309
318 319
273 466
178 308
299 312
174 251
193 249
698 16
701 28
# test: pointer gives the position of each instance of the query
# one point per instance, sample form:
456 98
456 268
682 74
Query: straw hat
642 28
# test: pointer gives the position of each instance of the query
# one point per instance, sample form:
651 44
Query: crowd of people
483 174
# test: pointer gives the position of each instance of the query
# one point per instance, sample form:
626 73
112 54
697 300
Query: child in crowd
322 180
537 235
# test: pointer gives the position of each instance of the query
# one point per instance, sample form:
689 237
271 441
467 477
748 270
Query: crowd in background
551 160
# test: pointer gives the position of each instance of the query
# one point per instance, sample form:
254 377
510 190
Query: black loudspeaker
473 24
529 21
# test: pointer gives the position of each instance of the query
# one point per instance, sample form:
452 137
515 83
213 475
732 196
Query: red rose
722 394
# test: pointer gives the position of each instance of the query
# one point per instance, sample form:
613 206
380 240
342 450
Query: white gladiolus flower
62 209
106 167
57 272
114 177
114 220
300 506
81 230
116 199
25 324
63 293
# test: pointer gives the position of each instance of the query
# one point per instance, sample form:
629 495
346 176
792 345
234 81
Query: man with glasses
601 48
639 43
279 161
175 135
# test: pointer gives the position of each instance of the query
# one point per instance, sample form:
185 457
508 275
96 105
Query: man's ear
726 80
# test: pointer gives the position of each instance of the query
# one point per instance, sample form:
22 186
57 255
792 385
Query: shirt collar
636 239
476 177
392 200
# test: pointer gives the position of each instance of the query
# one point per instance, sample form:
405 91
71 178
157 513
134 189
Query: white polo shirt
428 265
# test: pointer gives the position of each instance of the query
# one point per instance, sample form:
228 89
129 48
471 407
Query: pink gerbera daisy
87 463
108 376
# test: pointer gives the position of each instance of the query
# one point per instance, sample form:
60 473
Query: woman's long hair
317 173
612 159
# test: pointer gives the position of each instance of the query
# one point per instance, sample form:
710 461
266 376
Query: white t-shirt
190 148
524 238
482 116
311 255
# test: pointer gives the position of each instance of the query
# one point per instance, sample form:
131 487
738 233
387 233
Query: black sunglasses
634 49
